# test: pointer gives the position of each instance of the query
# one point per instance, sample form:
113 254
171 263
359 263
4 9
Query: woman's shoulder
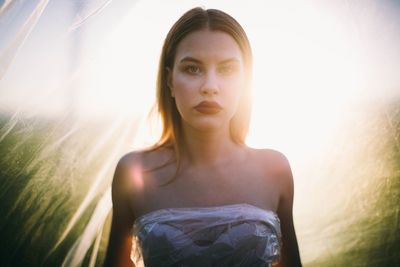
125 163
121 179
136 162
275 173
129 158
271 158
274 164
147 158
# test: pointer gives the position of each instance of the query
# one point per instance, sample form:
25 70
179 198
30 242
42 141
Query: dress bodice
231 235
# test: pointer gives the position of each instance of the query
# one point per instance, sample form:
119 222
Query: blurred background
77 79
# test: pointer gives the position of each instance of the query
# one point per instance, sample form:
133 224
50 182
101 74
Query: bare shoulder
147 158
275 161
129 158
122 185
153 158
276 166
137 162
124 165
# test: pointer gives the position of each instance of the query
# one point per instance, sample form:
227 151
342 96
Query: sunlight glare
306 69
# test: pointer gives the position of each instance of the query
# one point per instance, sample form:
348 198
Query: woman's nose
210 84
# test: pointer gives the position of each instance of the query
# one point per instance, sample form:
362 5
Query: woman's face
207 79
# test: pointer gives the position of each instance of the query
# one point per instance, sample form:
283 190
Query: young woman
200 196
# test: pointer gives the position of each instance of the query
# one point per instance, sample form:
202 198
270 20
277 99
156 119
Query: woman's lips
208 107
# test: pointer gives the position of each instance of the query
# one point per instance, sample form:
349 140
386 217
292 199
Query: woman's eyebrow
225 61
191 59
229 60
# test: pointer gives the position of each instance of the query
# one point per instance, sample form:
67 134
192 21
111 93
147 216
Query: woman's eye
226 70
192 69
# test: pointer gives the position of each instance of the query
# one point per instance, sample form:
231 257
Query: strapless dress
230 235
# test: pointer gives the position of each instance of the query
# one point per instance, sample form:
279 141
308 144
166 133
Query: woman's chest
210 187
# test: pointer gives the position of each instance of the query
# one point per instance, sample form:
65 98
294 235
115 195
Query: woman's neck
208 148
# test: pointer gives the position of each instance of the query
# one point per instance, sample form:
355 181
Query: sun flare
304 72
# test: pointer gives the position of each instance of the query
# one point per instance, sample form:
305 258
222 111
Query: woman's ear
169 81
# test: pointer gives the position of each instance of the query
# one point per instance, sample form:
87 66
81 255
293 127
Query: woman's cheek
183 100
234 93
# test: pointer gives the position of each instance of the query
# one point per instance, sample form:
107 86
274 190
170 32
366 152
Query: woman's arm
120 240
290 252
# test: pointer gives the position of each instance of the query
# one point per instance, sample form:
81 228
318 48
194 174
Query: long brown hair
194 20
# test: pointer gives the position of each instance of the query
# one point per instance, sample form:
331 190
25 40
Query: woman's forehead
208 45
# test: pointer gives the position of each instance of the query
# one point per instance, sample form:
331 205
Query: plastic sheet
232 235
74 79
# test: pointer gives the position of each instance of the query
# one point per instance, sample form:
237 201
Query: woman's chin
209 125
